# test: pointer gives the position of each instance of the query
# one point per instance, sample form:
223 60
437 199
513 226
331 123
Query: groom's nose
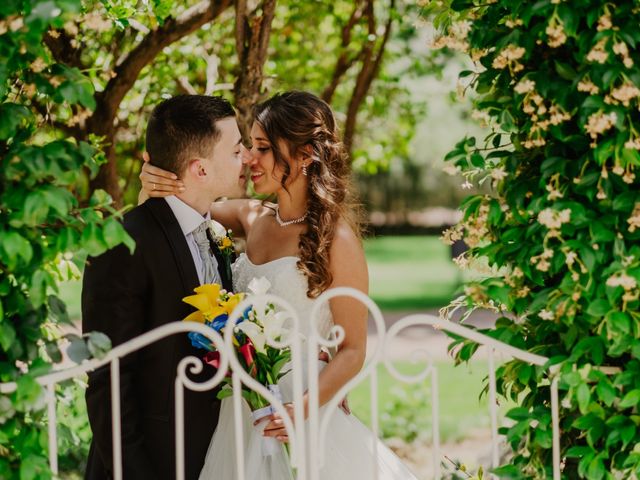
245 154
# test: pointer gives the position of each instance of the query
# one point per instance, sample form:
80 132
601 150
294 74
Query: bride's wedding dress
348 445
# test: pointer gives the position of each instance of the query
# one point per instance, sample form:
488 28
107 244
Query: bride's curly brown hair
302 120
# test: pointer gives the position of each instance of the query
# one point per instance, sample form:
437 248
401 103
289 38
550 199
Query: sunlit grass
410 272
461 407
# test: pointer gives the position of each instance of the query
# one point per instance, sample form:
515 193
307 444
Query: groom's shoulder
141 218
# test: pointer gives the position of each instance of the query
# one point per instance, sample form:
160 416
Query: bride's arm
349 269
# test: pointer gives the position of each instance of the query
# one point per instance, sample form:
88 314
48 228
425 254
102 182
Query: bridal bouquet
254 336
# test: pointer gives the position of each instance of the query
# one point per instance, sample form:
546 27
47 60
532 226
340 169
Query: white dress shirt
189 219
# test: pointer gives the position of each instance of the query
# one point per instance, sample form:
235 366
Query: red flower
247 350
213 359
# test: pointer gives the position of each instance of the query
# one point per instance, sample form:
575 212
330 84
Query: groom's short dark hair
184 127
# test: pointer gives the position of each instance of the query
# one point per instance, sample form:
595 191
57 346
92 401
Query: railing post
435 420
495 458
115 419
555 427
179 417
374 417
53 421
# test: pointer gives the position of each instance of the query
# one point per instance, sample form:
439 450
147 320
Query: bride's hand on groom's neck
157 182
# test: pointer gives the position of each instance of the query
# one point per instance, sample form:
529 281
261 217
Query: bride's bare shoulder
257 209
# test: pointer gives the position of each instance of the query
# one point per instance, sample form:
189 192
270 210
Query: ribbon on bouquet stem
270 446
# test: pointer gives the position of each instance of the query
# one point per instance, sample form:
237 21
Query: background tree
134 55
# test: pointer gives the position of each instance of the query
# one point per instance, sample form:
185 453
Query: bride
306 243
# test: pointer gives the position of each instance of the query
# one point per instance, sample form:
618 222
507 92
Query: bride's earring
304 170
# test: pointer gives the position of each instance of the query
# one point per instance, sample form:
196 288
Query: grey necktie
208 261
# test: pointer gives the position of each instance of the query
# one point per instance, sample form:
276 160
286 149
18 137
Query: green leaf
596 469
627 433
12 118
583 395
78 351
619 322
35 209
606 392
58 309
34 467
224 393
98 344
115 234
624 202
7 335
599 308
518 413
601 233
40 280
27 393
565 70
631 399
16 247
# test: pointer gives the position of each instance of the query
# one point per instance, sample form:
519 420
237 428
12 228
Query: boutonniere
222 237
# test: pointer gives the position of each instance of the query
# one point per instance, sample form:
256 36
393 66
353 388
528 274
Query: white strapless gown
349 443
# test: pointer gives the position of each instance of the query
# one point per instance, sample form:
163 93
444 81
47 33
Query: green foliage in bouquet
558 83
42 224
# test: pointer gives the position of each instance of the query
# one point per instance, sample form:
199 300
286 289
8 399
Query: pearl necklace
282 223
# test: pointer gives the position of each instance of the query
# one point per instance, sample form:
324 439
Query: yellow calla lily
226 243
211 290
232 303
214 312
196 316
200 301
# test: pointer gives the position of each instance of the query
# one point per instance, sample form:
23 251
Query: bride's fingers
153 183
153 170
159 179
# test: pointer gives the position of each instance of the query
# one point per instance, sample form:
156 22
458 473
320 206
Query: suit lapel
169 224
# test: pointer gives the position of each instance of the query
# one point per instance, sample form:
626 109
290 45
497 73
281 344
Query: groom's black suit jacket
124 296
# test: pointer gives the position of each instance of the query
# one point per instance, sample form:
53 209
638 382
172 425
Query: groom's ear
197 168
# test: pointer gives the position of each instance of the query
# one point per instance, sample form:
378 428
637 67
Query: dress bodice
288 283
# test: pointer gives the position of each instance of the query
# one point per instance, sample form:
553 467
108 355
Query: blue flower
199 341
219 322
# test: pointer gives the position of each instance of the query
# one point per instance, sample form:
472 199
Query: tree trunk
253 31
371 61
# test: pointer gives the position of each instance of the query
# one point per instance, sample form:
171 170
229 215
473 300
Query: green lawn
410 272
405 407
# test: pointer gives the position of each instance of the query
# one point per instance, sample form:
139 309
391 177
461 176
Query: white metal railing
304 436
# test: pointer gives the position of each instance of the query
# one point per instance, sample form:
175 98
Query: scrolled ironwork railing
305 436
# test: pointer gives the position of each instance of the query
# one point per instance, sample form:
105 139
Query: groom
124 295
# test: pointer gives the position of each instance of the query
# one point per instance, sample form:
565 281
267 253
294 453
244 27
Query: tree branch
345 60
59 42
371 62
